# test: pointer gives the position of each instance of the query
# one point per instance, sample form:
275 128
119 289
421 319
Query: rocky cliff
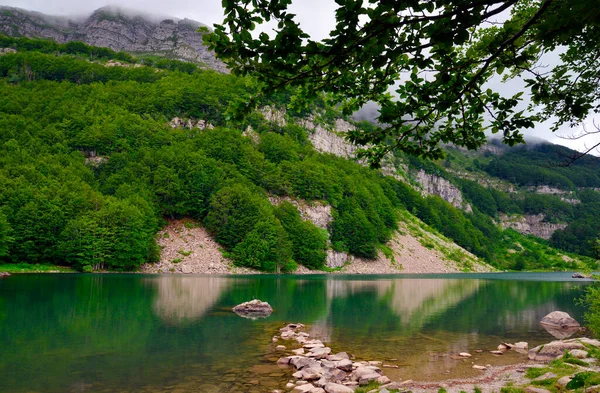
117 29
531 225
436 185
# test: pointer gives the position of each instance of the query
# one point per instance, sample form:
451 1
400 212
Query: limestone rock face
436 185
253 309
317 212
336 259
330 141
531 225
189 124
130 31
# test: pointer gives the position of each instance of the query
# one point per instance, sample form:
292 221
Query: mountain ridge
118 29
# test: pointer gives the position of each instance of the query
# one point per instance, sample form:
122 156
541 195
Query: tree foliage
90 168
309 243
438 57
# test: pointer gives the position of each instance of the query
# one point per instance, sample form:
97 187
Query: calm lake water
146 333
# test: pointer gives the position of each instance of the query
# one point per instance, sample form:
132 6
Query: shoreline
186 247
237 271
317 366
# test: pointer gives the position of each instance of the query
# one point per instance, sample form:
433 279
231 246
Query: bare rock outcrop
330 140
274 115
337 259
565 196
4 51
189 124
319 213
531 225
437 185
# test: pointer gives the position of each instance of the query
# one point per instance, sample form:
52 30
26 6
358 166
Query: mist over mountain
116 28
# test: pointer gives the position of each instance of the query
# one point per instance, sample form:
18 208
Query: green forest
90 169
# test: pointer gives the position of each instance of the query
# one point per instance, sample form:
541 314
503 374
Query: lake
169 333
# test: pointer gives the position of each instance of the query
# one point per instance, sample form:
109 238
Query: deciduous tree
443 53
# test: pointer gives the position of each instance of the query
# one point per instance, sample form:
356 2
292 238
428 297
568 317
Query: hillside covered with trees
90 168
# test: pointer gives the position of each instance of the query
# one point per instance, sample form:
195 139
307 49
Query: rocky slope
128 31
187 248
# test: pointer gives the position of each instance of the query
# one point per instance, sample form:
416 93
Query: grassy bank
37 268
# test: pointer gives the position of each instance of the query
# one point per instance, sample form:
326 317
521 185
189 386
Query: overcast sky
315 16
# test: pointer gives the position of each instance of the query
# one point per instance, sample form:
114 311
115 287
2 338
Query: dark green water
144 333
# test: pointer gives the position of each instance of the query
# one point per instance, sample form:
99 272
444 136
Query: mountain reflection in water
151 333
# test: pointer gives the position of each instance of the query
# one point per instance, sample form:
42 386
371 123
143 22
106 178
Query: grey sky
315 16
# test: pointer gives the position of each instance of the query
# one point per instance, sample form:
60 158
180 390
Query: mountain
117 29
109 162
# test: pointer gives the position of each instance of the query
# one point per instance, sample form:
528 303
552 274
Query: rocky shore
315 368
318 370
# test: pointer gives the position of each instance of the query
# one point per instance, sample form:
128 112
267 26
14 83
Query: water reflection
182 299
157 333
417 300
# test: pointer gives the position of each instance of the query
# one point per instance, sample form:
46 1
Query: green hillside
90 167
509 183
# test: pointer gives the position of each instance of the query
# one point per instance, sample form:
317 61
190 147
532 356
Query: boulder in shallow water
559 319
253 309
4 274
553 349
579 275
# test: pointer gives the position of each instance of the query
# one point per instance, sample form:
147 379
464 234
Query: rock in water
559 319
253 309
551 350
4 274
579 275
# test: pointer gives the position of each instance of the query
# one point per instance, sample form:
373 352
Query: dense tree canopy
90 168
443 52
